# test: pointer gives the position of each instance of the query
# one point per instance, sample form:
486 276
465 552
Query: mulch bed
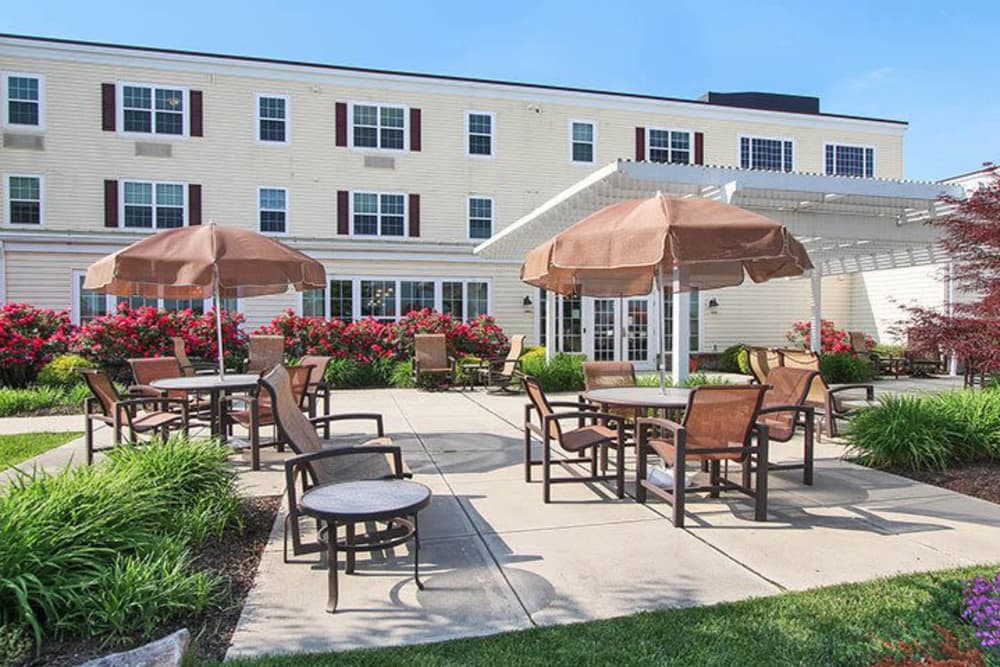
980 480
235 557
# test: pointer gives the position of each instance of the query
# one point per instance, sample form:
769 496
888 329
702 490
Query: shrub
845 367
563 373
729 361
29 338
929 432
349 372
15 645
402 375
308 335
62 371
461 374
743 361
103 551
886 350
832 339
26 401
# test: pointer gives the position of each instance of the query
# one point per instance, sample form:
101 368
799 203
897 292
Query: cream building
390 179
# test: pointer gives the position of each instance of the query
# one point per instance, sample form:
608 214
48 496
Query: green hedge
63 371
33 399
845 368
104 551
928 432
729 361
563 373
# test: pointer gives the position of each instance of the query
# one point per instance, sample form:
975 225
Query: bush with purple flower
982 610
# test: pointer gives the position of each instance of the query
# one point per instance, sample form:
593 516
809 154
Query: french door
620 330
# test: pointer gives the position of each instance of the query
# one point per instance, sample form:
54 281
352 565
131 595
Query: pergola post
816 323
681 334
550 325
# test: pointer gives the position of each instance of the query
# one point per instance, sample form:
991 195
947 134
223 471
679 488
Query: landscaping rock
166 652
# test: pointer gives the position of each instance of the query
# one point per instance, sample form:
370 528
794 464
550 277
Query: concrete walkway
495 558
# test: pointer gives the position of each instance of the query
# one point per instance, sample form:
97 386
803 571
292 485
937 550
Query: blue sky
929 63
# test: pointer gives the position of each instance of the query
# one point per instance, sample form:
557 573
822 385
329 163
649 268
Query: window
153 205
478 299
89 304
272 210
668 320
152 110
272 118
480 217
342 300
378 299
766 154
24 200
452 300
673 146
197 306
379 214
134 302
414 295
847 160
480 128
23 100
581 140
378 126
313 303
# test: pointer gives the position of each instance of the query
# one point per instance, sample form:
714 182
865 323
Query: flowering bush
832 339
29 338
982 610
146 332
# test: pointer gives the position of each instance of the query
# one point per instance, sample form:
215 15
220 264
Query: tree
971 330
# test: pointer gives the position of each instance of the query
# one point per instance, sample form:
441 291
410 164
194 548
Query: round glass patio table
215 386
671 399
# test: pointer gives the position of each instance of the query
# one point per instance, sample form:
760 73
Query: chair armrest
601 416
145 390
579 405
668 424
869 389
158 400
347 416
301 459
786 408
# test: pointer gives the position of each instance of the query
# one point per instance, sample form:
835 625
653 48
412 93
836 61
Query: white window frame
845 144
468 217
41 102
258 118
378 214
593 142
288 207
111 300
355 281
153 134
154 228
670 131
751 137
466 134
378 126
6 200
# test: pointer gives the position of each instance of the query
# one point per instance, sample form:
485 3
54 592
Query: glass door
605 330
619 330
636 345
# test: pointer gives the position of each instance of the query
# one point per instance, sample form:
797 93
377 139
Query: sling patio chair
431 358
832 401
784 410
139 415
762 360
320 461
259 412
500 373
795 358
719 425
317 388
190 368
147 371
608 375
266 352
604 429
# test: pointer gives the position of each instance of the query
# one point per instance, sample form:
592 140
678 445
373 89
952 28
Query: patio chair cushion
587 436
149 420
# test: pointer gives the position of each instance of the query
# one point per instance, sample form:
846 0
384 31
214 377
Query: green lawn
21 447
839 625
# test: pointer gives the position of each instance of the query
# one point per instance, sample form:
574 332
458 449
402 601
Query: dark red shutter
110 203
194 204
343 212
699 148
414 129
640 143
414 215
197 114
108 107
341 123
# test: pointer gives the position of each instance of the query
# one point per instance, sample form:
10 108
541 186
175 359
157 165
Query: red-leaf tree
971 236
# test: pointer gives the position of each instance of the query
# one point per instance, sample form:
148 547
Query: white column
681 348
550 325
817 311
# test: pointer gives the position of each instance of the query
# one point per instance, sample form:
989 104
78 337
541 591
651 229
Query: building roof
846 224
444 77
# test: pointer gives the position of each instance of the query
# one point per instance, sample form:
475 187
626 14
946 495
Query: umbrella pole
218 329
659 327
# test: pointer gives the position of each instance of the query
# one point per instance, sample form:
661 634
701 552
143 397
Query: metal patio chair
500 373
431 358
784 410
190 368
762 360
317 388
266 352
719 425
147 371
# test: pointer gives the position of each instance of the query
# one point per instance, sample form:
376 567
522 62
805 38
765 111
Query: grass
17 402
17 448
849 624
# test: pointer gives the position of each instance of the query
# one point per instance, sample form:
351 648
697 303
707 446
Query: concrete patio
494 558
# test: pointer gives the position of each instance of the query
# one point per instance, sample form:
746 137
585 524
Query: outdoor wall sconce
526 304
713 305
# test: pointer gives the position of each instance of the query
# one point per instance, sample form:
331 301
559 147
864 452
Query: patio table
394 501
640 398
215 386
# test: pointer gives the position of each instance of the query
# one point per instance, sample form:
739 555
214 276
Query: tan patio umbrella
205 261
621 250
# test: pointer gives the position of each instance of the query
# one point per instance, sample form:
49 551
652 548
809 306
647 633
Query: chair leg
620 466
760 492
680 486
593 461
546 471
527 454
89 439
715 468
604 457
640 469
254 439
808 455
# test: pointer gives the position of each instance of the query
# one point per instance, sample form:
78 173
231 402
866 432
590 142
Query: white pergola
847 225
